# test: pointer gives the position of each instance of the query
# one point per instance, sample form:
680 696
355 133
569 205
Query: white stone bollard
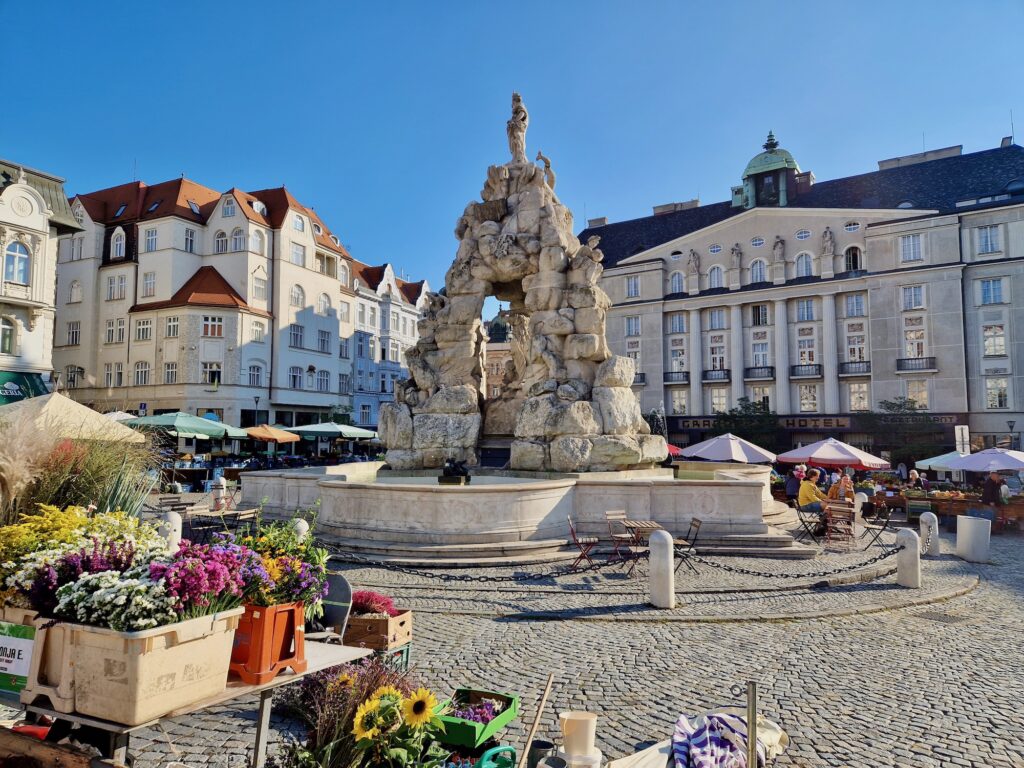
170 529
663 572
908 559
930 532
301 528
973 535
220 490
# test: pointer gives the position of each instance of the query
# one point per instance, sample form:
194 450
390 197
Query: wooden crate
380 633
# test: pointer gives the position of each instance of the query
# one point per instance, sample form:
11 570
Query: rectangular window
992 291
259 288
150 240
856 348
633 325
170 373
917 390
760 354
913 297
759 314
373 317
108 375
988 239
323 381
678 402
213 326
109 337
678 360
808 398
344 384
255 376
343 348
76 248
994 338
805 351
855 305
118 375
211 373
910 248
298 254
394 322
149 284
120 330
143 330
74 333
323 341
361 313
717 356
996 393
360 346
805 310
171 328
257 331
364 414
716 319
371 344
295 377
761 394
632 286
190 240
860 399
296 335
141 374
111 287
913 342
677 323
719 400
343 311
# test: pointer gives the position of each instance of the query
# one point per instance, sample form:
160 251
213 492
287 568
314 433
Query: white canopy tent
728 447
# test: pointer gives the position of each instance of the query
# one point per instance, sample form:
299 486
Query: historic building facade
823 299
178 297
34 213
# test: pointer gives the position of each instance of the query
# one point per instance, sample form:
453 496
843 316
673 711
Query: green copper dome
771 159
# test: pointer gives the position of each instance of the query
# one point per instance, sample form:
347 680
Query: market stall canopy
674 450
16 386
330 429
728 447
833 453
119 415
60 416
272 434
990 460
186 425
940 463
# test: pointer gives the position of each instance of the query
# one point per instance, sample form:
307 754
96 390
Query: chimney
1006 142
804 182
921 157
673 207
599 222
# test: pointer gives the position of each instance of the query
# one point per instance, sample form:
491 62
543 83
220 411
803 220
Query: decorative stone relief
828 243
567 401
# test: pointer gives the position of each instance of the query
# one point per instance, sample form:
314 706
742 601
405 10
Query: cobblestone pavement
924 685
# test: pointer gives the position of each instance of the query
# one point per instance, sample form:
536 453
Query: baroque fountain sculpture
566 399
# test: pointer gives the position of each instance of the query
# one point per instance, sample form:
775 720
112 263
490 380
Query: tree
753 421
904 429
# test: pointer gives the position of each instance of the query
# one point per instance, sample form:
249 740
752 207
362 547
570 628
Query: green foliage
905 430
753 421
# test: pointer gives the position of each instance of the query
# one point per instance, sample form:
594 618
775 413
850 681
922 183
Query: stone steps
459 555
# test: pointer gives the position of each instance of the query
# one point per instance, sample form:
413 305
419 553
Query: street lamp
1010 425
256 416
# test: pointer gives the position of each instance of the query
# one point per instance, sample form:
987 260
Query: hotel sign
811 423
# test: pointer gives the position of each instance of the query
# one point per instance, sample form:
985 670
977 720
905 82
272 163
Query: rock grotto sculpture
567 402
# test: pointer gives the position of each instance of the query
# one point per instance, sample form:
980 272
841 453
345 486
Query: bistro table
319 656
640 530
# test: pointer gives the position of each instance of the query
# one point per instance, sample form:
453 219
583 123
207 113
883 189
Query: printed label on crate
15 655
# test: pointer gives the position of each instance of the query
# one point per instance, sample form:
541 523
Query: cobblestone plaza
859 674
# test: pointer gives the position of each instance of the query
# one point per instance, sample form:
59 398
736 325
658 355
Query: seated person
843 489
810 498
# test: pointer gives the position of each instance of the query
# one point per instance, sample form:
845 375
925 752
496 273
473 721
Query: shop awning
16 385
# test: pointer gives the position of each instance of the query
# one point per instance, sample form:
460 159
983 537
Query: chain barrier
813 575
927 541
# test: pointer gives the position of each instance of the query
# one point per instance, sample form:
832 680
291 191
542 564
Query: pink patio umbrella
833 453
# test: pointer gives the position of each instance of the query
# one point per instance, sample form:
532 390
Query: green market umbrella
184 425
329 429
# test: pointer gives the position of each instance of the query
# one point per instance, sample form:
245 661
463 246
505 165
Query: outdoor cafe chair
337 607
584 544
809 521
839 524
879 524
683 547
620 540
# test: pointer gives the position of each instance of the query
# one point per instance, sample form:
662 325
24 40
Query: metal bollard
663 573
170 529
301 528
908 559
751 723
930 534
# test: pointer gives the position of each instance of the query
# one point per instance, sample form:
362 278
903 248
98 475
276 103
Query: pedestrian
992 491
792 485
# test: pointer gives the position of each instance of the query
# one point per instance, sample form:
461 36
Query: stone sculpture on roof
569 406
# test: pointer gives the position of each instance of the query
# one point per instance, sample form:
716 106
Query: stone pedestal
973 538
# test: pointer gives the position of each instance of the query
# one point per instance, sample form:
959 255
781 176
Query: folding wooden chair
337 606
809 521
879 524
619 540
839 524
684 546
583 543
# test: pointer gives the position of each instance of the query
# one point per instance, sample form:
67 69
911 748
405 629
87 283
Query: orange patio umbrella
271 434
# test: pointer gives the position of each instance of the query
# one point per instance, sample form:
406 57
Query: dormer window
259 207
335 240
299 224
229 207
194 206
79 215
117 246
317 228
154 206
120 209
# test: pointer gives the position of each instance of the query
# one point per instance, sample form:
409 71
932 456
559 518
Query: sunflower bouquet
395 730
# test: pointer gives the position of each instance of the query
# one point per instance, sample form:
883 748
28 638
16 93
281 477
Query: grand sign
810 423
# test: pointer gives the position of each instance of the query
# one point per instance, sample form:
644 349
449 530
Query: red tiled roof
369 276
206 288
170 198
411 291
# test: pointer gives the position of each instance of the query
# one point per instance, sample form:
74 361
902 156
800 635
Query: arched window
7 336
229 207
343 274
854 261
804 265
220 243
141 373
117 246
323 304
298 296
74 292
238 240
676 282
715 277
299 224
257 242
758 271
17 264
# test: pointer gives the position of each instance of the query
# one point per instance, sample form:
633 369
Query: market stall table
319 656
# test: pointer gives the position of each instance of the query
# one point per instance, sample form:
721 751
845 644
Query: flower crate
130 677
381 633
14 615
469 733
268 641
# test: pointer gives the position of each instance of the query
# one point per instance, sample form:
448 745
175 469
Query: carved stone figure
828 243
779 249
737 256
549 175
516 129
693 263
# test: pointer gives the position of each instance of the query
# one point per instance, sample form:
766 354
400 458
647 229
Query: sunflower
390 691
418 709
364 724
344 680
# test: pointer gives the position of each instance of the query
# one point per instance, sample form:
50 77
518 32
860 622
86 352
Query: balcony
759 372
639 379
812 371
717 374
915 364
858 368
677 377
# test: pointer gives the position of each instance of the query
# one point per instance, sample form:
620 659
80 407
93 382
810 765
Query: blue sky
385 116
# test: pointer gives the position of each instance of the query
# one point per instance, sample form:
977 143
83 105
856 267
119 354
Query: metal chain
927 542
812 575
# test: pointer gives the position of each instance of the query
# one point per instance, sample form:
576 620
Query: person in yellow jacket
810 498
